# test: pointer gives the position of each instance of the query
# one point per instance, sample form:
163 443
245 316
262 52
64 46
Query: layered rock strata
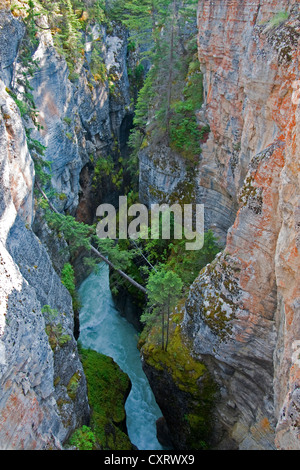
43 387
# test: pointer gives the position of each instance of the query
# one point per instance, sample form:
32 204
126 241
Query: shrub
83 438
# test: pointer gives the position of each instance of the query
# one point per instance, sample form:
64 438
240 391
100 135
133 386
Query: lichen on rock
182 385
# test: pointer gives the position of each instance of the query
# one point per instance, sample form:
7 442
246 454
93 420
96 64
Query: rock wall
80 119
43 395
242 312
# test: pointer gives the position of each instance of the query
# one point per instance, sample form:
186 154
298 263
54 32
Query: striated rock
287 269
162 171
29 414
43 389
80 119
242 312
17 170
103 114
240 330
183 387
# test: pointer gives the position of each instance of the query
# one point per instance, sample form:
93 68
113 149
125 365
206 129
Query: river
103 329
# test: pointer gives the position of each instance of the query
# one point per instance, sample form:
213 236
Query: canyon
238 329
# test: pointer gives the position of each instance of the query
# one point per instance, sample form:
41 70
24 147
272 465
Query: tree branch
95 251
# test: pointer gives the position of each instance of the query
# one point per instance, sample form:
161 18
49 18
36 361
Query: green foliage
156 250
68 277
24 99
76 233
189 376
108 387
30 39
103 167
56 335
173 91
121 258
97 65
184 130
83 438
164 288
188 264
68 39
23 107
79 235
73 385
164 291
172 254
141 18
144 99
143 105
67 120
28 46
150 119
49 313
69 135
69 21
37 152
183 368
136 79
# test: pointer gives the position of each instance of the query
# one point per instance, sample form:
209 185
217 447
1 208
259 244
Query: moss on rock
108 389
182 385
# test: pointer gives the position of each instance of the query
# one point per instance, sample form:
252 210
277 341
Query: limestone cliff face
241 317
43 391
43 394
242 312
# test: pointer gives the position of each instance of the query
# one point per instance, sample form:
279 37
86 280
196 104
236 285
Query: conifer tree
164 290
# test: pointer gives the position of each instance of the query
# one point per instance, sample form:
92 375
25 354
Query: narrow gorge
165 102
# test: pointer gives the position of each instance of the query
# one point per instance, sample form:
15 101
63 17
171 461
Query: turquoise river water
103 329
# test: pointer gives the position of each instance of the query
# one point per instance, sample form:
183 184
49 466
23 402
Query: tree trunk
168 318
